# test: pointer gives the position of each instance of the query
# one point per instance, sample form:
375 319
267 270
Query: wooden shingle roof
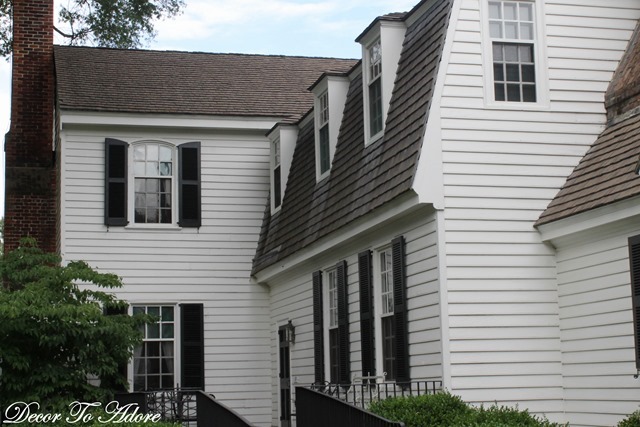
607 173
361 178
144 81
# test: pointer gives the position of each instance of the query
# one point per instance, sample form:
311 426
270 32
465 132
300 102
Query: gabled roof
607 173
145 81
361 178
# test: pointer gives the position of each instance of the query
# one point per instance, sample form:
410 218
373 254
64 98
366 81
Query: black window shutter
318 333
192 345
400 309
634 261
118 382
189 191
115 183
367 336
344 370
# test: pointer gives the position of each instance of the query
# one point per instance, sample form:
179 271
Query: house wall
502 164
291 299
596 323
210 265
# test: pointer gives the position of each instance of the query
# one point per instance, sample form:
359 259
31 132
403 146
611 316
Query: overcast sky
325 28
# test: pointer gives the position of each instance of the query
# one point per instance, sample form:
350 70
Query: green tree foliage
54 334
124 24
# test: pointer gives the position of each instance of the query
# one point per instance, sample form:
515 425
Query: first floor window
386 314
634 261
154 359
334 355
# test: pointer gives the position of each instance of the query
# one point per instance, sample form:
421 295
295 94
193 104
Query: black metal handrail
317 409
213 413
366 390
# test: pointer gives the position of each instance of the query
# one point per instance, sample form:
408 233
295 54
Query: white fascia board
589 220
403 206
71 118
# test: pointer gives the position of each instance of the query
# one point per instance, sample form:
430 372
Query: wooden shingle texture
607 173
166 82
361 178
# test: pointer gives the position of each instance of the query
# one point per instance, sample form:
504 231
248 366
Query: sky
325 28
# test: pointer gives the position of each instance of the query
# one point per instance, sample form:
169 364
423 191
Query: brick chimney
623 94
30 194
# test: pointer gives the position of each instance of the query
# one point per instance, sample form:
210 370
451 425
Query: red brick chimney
30 195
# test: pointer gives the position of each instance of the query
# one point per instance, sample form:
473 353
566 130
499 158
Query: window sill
521 106
152 227
374 138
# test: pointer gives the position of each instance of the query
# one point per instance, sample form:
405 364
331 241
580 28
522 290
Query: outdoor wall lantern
289 333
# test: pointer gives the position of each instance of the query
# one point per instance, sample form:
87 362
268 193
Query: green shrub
632 420
447 410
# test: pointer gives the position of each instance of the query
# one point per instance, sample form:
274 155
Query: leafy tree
111 23
54 334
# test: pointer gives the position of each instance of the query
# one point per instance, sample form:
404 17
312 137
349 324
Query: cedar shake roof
144 81
361 178
607 173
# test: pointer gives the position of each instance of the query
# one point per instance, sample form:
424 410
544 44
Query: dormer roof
363 178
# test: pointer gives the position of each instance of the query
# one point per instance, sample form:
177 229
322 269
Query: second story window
153 175
512 32
374 81
323 125
277 178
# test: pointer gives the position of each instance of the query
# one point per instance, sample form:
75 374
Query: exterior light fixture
289 333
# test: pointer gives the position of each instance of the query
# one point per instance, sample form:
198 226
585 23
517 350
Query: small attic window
374 83
324 151
276 174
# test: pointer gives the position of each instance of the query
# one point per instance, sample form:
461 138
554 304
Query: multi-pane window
332 285
277 178
154 359
512 31
153 172
323 125
387 311
374 80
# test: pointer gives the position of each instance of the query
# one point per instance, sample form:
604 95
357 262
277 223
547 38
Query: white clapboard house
462 206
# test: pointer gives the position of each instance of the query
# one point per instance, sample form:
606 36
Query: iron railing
364 390
317 409
212 413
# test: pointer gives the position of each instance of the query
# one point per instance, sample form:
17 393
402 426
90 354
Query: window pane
153 382
511 53
499 89
510 11
139 383
152 200
497 52
139 168
513 92
498 72
167 330
167 349
526 31
526 54
153 366
513 72
375 107
151 186
511 30
165 154
165 216
528 74
139 152
152 169
153 331
325 157
153 216
495 29
140 215
529 93
526 12
165 169
152 152
153 311
495 11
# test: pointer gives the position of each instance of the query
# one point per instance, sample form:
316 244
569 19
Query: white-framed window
277 174
155 359
324 144
332 356
373 76
512 32
153 180
383 288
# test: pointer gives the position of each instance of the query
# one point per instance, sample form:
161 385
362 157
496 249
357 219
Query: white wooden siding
291 299
210 265
502 166
596 324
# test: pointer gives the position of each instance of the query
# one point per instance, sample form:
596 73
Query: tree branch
69 36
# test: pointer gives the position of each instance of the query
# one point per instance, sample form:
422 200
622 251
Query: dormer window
512 32
277 176
374 82
323 134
